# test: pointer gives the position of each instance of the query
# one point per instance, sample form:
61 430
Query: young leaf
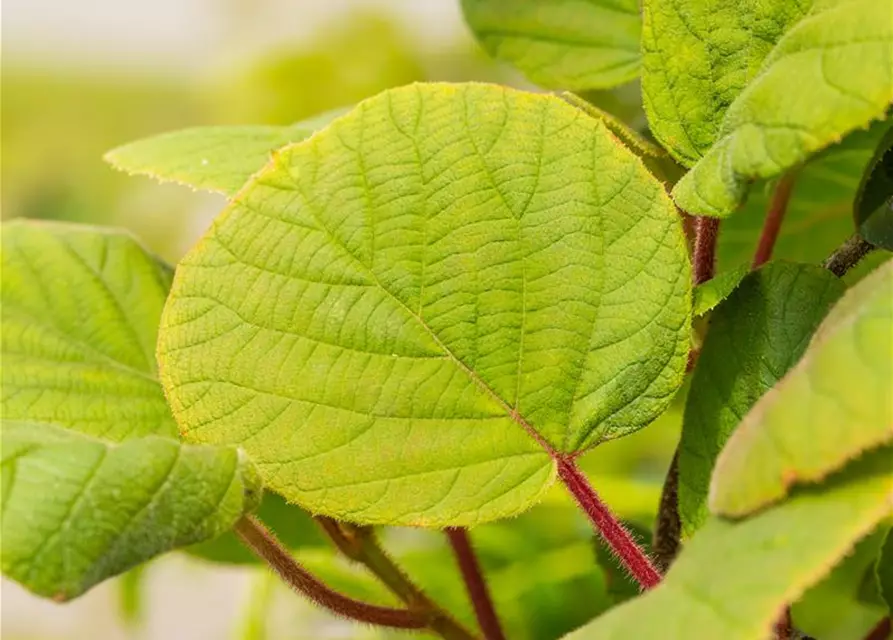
874 204
733 578
561 43
833 405
697 57
828 75
409 317
93 479
819 214
755 336
884 570
78 509
706 296
219 159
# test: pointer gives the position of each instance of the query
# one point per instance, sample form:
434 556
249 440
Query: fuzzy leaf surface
408 317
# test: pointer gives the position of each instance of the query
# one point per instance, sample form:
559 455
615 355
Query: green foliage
755 336
372 250
838 396
828 75
218 159
819 214
874 203
706 296
733 578
884 571
561 43
94 481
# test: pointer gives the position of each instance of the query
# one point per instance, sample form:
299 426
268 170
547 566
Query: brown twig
359 544
848 255
475 583
265 545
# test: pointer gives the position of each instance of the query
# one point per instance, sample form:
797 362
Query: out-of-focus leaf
292 525
218 159
561 43
709 294
833 405
828 75
93 480
733 578
834 609
369 252
755 336
884 571
874 204
819 214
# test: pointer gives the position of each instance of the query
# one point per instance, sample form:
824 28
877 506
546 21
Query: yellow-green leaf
828 75
833 405
406 318
219 159
569 44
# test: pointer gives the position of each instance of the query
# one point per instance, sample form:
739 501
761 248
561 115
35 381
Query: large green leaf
874 203
755 336
218 159
77 509
819 214
93 478
570 44
697 57
828 75
407 318
833 405
733 578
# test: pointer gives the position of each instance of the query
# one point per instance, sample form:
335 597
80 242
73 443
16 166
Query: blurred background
81 77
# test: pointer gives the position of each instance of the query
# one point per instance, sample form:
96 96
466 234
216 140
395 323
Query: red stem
783 628
774 216
615 535
266 547
475 583
882 631
704 260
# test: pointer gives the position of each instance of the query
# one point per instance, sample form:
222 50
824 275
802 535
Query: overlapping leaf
733 578
828 75
833 405
561 43
819 214
218 159
698 56
874 203
707 295
94 480
885 571
755 336
408 317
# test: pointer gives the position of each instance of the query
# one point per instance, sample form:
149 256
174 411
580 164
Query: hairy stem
774 217
266 547
704 258
783 628
614 534
359 544
668 529
848 255
475 583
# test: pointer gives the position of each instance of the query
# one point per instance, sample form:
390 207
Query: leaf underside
94 480
407 317
219 159
832 406
734 578
561 44
755 337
